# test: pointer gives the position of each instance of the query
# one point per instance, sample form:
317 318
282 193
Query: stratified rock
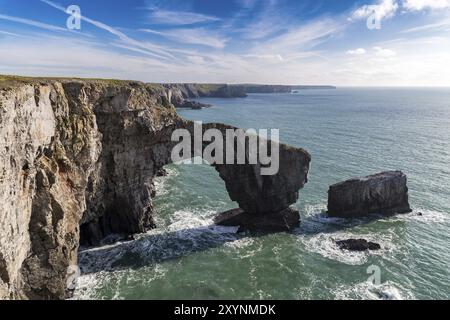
285 220
384 193
357 245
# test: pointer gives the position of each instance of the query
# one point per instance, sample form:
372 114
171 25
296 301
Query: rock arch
125 186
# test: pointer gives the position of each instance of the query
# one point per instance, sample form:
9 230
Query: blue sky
233 41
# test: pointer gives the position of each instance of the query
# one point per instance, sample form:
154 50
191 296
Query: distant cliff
252 88
180 94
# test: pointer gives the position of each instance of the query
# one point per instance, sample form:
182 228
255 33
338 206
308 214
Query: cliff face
77 161
69 152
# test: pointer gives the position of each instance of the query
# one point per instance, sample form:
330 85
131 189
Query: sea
349 132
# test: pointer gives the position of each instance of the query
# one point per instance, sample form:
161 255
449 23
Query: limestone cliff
77 161
72 152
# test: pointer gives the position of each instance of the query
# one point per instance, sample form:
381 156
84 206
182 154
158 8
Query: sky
311 42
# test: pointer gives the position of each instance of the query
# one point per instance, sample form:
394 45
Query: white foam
369 291
161 182
240 243
428 216
325 245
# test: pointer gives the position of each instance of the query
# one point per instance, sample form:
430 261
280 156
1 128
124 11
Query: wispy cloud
269 19
443 25
149 48
159 16
198 36
11 34
302 37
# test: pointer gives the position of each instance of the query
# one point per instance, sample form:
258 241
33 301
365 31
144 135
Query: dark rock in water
162 172
384 193
281 221
420 214
186 104
357 245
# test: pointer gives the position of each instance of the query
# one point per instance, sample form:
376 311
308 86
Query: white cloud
158 16
384 53
382 10
358 51
418 5
199 36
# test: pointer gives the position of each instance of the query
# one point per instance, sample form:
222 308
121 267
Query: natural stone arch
128 209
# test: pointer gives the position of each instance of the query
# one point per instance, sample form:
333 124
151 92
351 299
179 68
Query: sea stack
384 193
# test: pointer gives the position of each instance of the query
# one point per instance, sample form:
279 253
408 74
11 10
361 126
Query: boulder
357 245
384 193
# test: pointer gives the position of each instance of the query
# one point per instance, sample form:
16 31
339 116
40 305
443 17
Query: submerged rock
385 193
285 220
357 245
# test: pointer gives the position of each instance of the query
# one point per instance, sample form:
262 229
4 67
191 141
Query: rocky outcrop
357 245
198 90
194 105
385 193
180 95
77 162
278 221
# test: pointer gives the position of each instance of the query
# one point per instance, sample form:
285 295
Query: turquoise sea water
349 132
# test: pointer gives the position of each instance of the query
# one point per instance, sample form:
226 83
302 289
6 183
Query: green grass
13 78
